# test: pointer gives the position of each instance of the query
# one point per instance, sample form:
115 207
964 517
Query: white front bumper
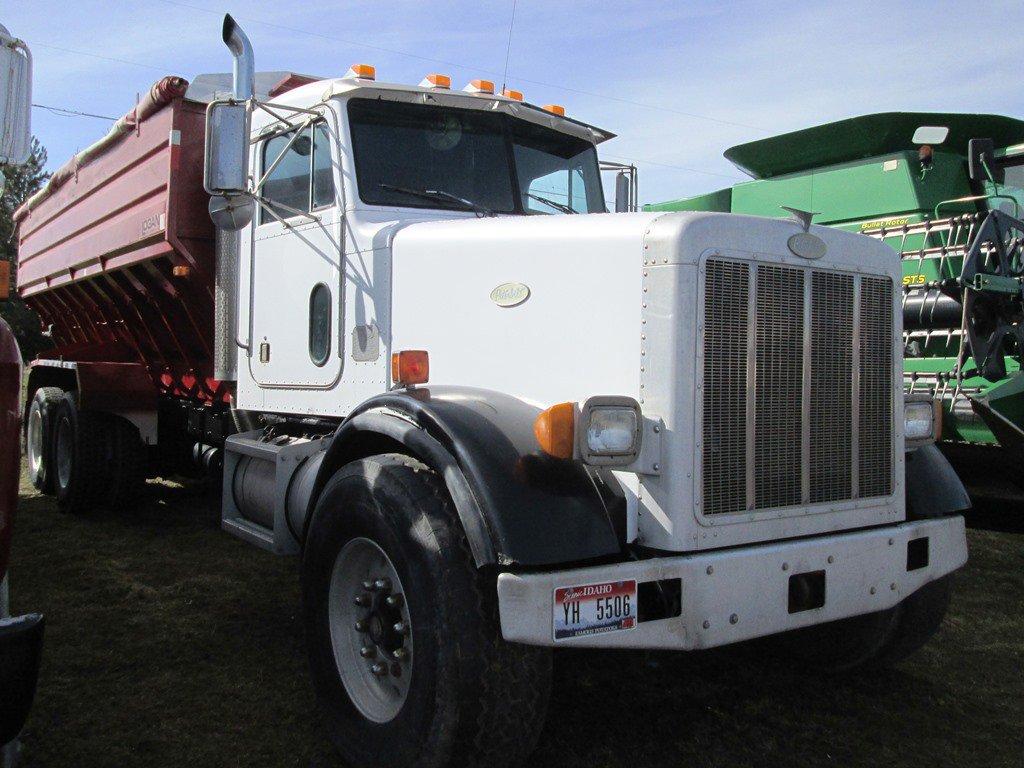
743 593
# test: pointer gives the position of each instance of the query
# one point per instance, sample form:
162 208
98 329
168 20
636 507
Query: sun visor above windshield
525 111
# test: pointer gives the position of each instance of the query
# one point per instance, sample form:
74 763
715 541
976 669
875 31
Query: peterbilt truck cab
558 427
493 420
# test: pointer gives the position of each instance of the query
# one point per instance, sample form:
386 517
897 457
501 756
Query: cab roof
866 136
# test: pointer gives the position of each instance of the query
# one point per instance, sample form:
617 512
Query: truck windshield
426 156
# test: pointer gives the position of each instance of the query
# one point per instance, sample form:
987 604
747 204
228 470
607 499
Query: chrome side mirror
15 100
622 193
226 169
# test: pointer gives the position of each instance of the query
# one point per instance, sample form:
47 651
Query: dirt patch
170 643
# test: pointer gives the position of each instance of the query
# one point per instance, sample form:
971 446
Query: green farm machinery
946 191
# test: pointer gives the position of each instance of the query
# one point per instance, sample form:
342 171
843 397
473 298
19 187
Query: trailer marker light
555 430
480 86
410 366
436 80
555 109
362 72
508 93
182 270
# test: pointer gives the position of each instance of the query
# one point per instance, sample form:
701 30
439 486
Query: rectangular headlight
919 421
609 430
612 431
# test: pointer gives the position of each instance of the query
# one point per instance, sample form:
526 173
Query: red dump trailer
116 254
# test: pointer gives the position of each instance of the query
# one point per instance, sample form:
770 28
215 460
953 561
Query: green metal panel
866 136
862 193
719 201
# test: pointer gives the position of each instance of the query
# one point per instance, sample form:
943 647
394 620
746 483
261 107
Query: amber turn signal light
555 429
410 366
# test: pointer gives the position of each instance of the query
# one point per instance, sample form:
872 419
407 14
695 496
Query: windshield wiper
557 206
438 194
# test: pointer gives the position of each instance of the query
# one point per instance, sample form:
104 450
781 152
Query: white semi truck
491 419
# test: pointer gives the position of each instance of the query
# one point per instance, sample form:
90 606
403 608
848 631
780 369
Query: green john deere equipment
946 191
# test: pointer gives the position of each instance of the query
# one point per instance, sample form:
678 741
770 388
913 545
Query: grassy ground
170 643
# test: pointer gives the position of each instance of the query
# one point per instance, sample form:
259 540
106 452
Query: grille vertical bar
778 409
875 422
725 386
831 386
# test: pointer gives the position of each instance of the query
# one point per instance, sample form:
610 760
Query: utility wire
163 70
63 112
508 47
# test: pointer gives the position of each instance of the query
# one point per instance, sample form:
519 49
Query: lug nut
399 653
362 600
368 652
360 626
400 628
367 585
382 585
395 601
379 669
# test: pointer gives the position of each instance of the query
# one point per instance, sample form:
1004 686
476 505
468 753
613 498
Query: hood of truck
561 308
546 308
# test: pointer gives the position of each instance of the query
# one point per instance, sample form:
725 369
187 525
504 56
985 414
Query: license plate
593 609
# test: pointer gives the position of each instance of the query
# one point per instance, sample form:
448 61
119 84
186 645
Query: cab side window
301 180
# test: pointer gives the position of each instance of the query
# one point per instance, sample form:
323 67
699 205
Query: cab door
296 285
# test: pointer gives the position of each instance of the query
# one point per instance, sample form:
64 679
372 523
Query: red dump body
117 253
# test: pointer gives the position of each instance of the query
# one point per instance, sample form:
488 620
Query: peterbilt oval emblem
510 294
807 246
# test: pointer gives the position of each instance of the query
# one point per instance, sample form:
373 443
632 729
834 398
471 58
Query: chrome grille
725 386
831 386
779 375
797 388
876 343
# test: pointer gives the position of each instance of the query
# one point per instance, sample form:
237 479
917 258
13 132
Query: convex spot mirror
227 148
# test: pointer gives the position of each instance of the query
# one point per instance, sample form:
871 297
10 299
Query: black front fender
933 487
517 505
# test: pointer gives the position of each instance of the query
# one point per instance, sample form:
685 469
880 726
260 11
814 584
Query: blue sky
678 81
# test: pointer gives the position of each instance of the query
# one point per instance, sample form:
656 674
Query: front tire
463 696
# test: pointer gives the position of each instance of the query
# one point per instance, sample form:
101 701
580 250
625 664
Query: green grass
170 643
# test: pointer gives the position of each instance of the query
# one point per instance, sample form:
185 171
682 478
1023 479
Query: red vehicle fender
10 442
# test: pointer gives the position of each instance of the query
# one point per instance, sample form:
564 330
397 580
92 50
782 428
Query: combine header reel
964 302
993 298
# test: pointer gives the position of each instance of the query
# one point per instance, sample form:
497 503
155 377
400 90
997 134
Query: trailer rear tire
39 437
81 456
470 698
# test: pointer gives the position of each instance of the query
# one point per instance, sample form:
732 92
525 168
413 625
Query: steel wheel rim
63 451
371 632
34 441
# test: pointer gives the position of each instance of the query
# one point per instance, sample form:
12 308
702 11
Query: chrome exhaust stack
244 73
226 277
